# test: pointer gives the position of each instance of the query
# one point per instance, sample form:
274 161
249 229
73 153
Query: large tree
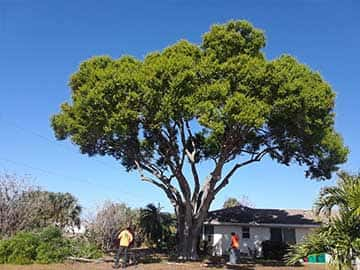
220 102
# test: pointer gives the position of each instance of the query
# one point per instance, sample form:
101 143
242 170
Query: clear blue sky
43 42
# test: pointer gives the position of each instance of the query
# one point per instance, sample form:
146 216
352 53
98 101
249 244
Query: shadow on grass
240 267
150 259
275 263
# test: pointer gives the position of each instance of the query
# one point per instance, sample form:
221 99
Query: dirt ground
152 266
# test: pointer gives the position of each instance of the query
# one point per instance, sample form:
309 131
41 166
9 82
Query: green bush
84 249
4 251
53 247
45 246
22 248
55 251
49 234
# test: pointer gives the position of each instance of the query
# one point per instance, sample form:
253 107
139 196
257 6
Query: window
275 234
286 235
245 232
208 229
289 236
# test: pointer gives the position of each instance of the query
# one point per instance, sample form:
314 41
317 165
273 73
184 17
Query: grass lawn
152 266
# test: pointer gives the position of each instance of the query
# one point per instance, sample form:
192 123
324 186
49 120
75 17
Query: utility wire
49 140
54 173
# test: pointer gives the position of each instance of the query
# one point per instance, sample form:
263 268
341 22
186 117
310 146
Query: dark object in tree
274 250
221 102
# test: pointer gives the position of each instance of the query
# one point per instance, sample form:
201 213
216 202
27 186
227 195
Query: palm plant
155 224
345 196
340 236
66 209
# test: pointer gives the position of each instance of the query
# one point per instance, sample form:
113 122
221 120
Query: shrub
4 251
49 234
274 250
52 247
22 248
45 246
85 249
50 252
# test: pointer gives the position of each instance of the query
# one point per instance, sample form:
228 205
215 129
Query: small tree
110 218
14 215
345 196
52 208
220 102
155 224
233 202
25 207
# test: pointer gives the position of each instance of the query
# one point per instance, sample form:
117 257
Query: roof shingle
242 214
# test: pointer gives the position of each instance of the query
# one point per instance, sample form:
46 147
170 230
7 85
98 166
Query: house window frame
245 232
282 234
286 239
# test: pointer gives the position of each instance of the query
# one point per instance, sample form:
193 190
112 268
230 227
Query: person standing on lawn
126 238
234 248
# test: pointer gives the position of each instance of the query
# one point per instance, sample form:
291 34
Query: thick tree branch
171 192
167 150
190 155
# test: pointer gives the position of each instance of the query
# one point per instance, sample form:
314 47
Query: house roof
256 216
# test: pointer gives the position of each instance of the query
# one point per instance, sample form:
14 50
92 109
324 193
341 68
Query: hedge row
45 246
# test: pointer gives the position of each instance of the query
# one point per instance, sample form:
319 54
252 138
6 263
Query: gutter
254 224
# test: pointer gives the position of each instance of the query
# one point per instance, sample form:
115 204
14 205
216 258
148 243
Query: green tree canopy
233 202
52 208
221 101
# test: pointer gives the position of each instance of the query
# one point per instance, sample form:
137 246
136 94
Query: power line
54 173
49 140
49 172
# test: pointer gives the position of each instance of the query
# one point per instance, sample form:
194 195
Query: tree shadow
240 266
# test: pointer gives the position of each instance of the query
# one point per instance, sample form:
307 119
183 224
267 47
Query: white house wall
221 238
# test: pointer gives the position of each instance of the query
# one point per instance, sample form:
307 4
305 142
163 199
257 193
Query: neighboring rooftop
242 214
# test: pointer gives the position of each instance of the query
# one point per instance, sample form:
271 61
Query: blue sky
43 42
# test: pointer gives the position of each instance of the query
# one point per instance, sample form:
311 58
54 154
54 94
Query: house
254 226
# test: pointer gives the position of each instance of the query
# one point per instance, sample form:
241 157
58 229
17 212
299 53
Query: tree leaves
225 89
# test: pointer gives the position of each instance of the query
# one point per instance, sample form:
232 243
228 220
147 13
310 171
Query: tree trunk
189 229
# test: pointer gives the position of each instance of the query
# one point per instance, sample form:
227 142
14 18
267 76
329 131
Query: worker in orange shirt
234 248
126 238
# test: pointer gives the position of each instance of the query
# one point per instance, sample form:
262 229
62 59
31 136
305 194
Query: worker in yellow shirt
126 238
